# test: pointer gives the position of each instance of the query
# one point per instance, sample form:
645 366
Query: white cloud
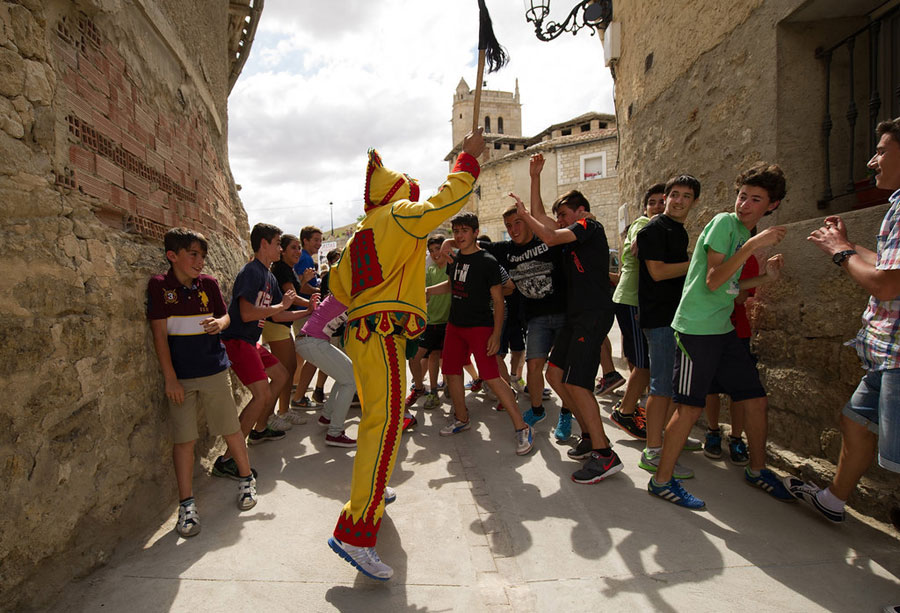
327 80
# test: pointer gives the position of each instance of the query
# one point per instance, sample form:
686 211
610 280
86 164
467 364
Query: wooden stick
477 110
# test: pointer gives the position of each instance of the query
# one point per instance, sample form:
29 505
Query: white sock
830 501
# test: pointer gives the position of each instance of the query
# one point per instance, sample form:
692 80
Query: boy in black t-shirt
474 328
589 315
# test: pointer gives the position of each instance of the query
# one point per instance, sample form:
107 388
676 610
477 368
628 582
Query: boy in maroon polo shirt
186 314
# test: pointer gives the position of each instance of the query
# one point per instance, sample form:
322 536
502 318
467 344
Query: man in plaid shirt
871 419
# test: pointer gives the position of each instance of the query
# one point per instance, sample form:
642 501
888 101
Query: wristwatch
839 257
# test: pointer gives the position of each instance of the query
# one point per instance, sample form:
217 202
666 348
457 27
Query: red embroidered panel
364 261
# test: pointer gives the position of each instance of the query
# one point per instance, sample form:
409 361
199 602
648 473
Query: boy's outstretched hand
288 299
536 165
768 237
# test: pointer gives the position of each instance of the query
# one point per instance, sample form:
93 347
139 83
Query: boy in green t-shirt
709 349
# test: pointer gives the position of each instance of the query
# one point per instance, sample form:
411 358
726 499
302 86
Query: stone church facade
113 128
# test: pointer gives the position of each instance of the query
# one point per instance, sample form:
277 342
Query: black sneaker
632 424
609 382
228 468
268 434
582 450
597 468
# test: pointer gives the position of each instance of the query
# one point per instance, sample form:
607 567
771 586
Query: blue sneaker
563 430
712 448
530 418
770 483
363 559
674 493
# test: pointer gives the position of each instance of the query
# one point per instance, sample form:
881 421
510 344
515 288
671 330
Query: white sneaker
294 416
188 520
365 559
247 497
390 495
279 422
524 440
519 386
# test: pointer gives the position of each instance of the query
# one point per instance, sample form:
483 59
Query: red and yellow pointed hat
384 186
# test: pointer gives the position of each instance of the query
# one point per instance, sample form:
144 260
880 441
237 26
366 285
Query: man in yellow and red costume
381 279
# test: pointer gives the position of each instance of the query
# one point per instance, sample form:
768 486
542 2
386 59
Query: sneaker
295 416
597 468
432 401
188 523
609 382
530 418
364 559
582 450
807 492
474 386
770 483
524 440
268 434
323 421
318 395
693 444
712 448
674 493
650 461
563 429
409 422
518 385
632 424
455 427
303 403
414 395
390 495
737 449
247 497
279 422
228 468
355 402
341 440
498 407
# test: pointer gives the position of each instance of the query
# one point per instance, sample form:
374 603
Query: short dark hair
332 256
181 239
770 177
435 239
469 220
892 127
510 211
656 188
307 232
684 181
287 239
263 231
571 199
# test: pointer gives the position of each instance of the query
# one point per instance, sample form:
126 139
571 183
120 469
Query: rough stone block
12 73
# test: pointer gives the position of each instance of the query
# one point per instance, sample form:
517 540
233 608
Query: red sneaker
409 422
414 395
342 440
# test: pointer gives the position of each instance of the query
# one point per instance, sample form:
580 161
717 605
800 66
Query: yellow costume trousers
379 366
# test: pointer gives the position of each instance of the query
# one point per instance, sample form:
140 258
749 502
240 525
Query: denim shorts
541 332
662 349
876 405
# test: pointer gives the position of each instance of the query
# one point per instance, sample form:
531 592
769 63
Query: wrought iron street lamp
591 13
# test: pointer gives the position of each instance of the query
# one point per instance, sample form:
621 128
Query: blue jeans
662 349
876 405
334 363
541 332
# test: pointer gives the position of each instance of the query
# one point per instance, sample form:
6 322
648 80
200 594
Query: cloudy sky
327 80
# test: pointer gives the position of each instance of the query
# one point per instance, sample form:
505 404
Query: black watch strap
839 257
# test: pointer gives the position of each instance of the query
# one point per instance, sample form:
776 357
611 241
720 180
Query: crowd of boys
684 331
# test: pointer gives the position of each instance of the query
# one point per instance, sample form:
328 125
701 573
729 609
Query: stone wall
601 192
732 90
110 132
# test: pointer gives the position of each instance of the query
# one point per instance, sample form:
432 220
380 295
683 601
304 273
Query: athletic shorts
212 394
461 342
634 343
876 405
542 330
714 361
433 337
577 347
661 350
273 332
249 362
512 337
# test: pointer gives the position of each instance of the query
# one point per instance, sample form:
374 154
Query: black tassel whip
491 50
